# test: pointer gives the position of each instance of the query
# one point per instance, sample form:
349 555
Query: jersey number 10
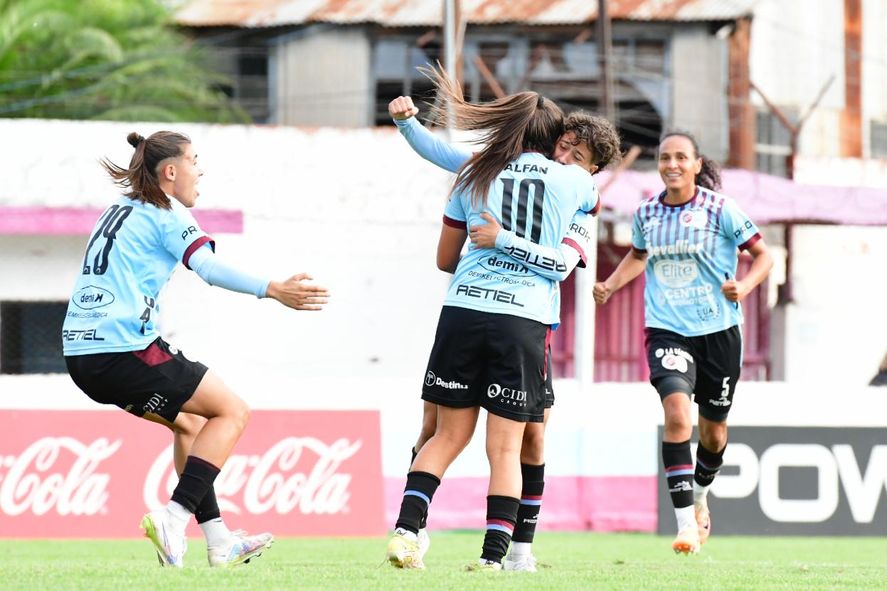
523 198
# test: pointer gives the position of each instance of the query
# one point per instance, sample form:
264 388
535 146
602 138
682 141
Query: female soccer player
116 355
591 143
490 345
688 239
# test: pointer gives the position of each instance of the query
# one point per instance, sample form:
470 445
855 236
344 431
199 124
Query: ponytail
141 175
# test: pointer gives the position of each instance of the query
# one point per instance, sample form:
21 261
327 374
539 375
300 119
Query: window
30 337
879 139
773 145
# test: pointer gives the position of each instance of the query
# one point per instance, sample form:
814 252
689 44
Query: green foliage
577 561
104 59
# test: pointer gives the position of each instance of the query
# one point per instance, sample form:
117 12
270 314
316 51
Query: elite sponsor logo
92 297
676 274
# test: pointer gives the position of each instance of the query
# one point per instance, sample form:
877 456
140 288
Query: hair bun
135 139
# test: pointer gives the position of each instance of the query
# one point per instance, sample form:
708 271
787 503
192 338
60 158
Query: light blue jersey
692 250
537 199
130 256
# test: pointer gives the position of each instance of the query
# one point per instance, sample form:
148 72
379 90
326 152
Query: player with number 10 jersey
536 198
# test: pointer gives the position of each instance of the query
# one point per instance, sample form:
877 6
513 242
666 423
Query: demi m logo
92 297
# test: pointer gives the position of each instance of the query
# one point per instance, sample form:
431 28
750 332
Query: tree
104 59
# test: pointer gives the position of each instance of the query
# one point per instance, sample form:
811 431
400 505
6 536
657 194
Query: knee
677 423
240 414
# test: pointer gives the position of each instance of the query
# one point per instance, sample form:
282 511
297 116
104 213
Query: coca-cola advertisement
78 474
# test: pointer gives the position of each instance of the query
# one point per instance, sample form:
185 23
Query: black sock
416 497
208 507
708 464
196 480
678 462
501 515
530 502
424 520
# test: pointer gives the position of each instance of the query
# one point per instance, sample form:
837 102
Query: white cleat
484 565
403 550
703 519
687 541
424 543
169 543
524 563
240 549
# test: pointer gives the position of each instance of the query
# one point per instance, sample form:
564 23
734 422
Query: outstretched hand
295 294
484 235
402 108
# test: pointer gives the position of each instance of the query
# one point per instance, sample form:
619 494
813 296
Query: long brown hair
709 176
141 176
511 125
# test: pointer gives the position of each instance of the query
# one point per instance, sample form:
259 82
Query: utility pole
605 51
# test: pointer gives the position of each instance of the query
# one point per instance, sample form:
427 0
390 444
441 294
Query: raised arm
422 141
554 263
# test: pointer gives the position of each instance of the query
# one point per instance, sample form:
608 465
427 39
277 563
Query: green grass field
577 561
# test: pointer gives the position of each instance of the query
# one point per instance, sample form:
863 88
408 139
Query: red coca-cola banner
85 474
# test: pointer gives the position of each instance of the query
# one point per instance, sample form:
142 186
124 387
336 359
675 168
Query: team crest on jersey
694 218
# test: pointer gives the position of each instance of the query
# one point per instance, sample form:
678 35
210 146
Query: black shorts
707 366
158 379
495 361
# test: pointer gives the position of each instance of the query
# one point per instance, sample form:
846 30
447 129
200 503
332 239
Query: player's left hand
484 235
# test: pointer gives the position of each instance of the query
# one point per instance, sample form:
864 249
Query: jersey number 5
523 197
110 224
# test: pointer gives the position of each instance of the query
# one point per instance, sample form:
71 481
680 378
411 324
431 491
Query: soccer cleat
483 564
424 543
240 549
687 541
168 542
703 519
403 550
523 563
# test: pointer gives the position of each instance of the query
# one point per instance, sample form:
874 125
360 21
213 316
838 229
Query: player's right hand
402 108
601 293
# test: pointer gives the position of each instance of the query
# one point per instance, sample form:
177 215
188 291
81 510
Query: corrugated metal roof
403 13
